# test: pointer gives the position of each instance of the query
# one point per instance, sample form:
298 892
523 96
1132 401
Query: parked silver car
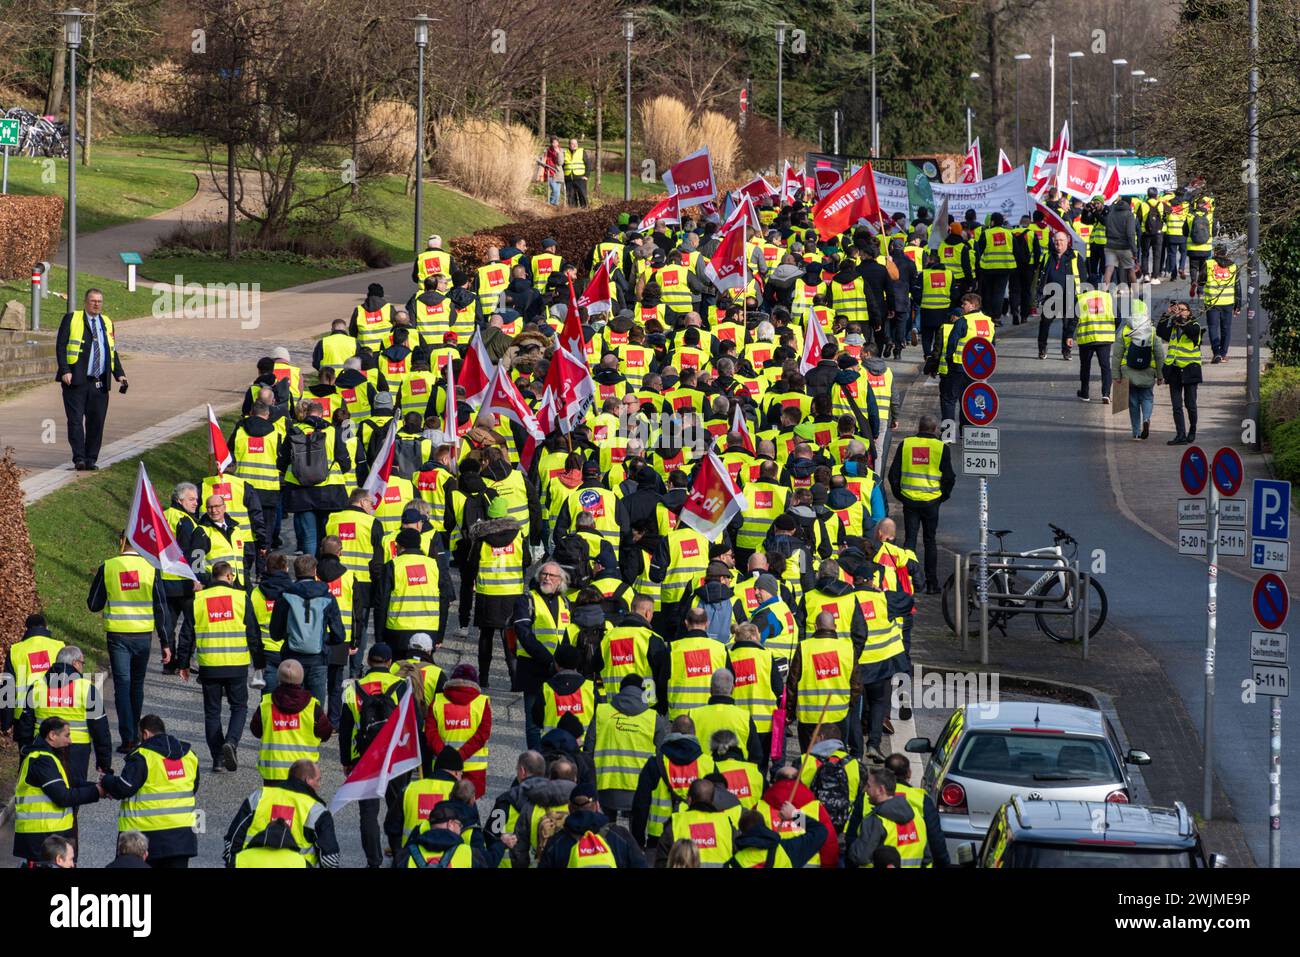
1039 750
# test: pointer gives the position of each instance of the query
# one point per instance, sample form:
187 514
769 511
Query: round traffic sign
979 359
980 403
1227 472
1195 470
1270 602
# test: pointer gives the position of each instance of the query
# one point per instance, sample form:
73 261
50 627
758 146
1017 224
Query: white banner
1003 194
891 191
1136 178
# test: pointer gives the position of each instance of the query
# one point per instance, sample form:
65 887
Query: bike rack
1076 582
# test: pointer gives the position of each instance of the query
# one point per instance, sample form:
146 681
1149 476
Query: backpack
408 456
830 784
572 553
1155 220
551 824
307 456
1200 231
373 711
305 625
1138 355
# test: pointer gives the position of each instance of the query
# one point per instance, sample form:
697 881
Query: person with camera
1182 367
1138 353
86 350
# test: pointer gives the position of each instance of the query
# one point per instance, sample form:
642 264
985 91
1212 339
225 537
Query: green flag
918 189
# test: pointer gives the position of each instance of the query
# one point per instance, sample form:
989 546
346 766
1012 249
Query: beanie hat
408 538
498 507
769 584
449 759
785 522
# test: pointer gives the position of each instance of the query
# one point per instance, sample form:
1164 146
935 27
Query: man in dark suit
87 355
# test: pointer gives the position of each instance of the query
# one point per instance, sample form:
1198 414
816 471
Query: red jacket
798 794
461 692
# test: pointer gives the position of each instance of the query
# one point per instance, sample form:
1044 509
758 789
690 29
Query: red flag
1059 225
790 183
713 500
476 370
395 750
726 270
545 421
503 398
758 189
972 168
217 444
150 535
827 176
740 426
1045 173
1111 188
599 294
1004 164
382 470
690 179
569 384
813 340
852 200
1080 176
664 211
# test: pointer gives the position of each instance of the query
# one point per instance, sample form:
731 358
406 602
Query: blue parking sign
1270 510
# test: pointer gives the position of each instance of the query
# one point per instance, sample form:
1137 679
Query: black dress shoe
933 590
1177 440
126 747
78 465
92 467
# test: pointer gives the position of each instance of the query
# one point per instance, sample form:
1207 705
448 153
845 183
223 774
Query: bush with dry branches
488 159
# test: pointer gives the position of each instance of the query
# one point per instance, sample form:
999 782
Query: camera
122 387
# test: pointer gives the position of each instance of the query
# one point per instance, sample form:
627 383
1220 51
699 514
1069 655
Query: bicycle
1050 583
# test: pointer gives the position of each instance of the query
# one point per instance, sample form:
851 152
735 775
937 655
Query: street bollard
40 273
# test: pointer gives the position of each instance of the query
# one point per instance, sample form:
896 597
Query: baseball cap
717 570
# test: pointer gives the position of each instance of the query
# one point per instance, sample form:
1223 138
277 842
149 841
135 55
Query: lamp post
1114 100
875 123
1074 55
1133 103
421 41
72 37
629 31
970 113
1020 60
781 27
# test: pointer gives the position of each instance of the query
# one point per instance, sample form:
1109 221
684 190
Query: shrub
386 140
488 159
1279 396
1285 440
719 133
29 232
666 131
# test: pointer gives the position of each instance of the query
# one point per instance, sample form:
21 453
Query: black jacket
172 841
307 589
579 823
679 749
947 477
819 378
320 833
96 718
97 598
43 773
252 635
800 850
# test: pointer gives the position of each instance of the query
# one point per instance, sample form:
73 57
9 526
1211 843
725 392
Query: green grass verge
118 302
122 183
76 528
271 270
1279 390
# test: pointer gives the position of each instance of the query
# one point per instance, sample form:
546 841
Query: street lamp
1074 55
781 27
421 41
629 31
1020 59
1114 100
875 124
72 37
969 115
1133 104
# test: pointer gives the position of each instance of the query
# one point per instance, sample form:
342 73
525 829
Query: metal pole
38 281
72 181
1051 94
1275 781
835 117
960 600
1114 106
627 124
1252 229
1069 107
1085 603
969 112
1133 110
780 147
1211 628
983 583
419 157
4 188
875 126
1018 62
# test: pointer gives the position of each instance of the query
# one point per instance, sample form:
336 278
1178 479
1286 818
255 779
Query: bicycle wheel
949 599
1058 628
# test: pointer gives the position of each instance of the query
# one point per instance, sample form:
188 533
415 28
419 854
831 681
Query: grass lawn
124 181
75 528
118 303
271 273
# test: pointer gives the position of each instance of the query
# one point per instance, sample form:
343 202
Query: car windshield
1008 757
1094 855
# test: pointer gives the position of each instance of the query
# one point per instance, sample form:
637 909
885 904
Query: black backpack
1200 231
308 457
1155 219
1138 355
408 456
830 784
373 710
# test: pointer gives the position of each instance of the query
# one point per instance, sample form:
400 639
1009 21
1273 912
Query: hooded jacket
559 743
461 691
436 840
578 823
527 301
631 702
172 841
715 598
512 797
677 748
868 410
872 834
335 634
800 850
547 794
321 834
292 699
43 772
800 796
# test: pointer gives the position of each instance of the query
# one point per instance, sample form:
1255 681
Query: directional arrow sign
1270 509
1227 471
980 403
1195 470
978 359
1270 602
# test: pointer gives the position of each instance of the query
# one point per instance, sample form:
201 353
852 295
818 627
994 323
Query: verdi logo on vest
38 662
174 768
569 703
681 776
257 444
920 455
456 716
425 804
335 587
745 670
77 911
762 500
698 663
690 549
417 575
128 581
590 845
826 664
347 531
737 782
282 812
622 651
284 722
220 609
703 835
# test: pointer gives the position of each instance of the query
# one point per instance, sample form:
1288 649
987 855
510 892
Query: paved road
1055 469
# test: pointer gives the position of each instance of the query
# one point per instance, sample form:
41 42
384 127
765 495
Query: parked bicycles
1047 583
40 136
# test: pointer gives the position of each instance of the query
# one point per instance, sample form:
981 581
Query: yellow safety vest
335 349
220 639
262 609
542 265
1182 352
30 659
688 559
225 549
457 723
398 493
413 604
255 459
997 253
692 662
936 289
624 743
335 474
978 326
34 812
600 504
372 327
581 704
671 790
849 299
354 529
166 799
492 281
827 670
767 501
753 857
574 162
78 340
921 471
712 833
753 692
953 257
744 780
422 795
286 738
297 810
128 605
674 292
624 650
712 718
66 697
548 629
515 492
1220 284
884 634
432 262
591 850
372 683
909 839
840 608
1096 318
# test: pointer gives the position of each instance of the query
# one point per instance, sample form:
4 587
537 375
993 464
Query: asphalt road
1053 466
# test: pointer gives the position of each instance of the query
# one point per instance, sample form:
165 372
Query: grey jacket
1121 227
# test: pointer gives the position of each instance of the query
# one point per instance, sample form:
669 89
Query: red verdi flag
476 370
690 179
726 270
740 426
791 183
664 211
1111 187
972 169
382 470
813 340
503 398
150 535
1046 172
1004 164
1080 176
217 443
758 189
395 751
570 388
1059 225
598 296
852 200
713 500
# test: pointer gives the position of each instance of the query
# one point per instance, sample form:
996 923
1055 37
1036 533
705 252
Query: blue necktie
95 369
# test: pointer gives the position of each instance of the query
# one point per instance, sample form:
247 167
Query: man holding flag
243 502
